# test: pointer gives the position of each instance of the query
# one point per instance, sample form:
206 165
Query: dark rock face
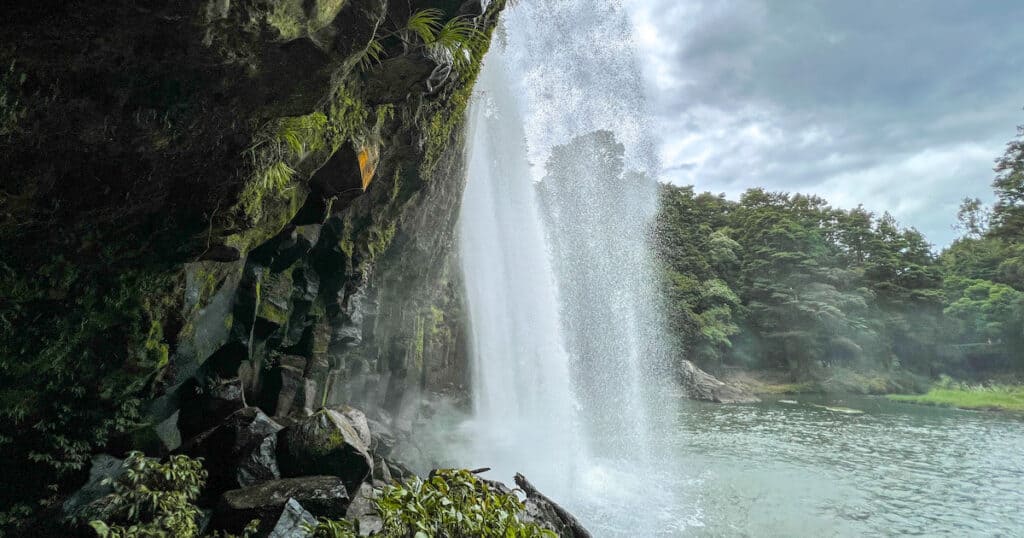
547 513
321 496
209 405
325 444
148 146
239 452
78 508
701 385
293 522
363 512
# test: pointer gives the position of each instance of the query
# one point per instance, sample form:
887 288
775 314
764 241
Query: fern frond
371 55
277 177
425 23
461 39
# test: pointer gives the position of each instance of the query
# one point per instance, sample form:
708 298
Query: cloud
900 106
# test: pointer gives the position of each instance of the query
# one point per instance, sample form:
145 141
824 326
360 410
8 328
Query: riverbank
992 398
830 380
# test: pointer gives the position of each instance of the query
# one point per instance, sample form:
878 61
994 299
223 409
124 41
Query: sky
901 106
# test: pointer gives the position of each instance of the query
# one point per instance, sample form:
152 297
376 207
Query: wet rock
547 513
321 496
382 439
81 505
293 521
285 385
395 79
206 404
363 512
703 386
325 443
358 420
238 453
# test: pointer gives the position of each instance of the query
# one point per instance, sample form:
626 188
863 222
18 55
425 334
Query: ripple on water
796 470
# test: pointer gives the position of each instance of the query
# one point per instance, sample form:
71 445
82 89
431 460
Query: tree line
786 281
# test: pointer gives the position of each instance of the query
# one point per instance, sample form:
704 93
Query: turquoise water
792 470
777 469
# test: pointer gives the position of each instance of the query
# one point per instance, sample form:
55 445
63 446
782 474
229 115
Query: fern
460 39
371 55
426 24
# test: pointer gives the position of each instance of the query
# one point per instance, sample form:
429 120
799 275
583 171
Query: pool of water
794 469
785 469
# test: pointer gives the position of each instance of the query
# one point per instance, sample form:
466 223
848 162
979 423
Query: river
777 469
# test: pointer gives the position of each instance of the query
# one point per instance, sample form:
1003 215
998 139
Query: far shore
901 387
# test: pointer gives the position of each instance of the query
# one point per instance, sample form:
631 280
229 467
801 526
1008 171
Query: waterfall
566 339
522 392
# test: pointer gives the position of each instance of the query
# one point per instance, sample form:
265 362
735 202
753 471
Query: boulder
358 421
325 443
547 513
382 439
239 452
703 386
293 521
362 512
81 506
321 496
206 404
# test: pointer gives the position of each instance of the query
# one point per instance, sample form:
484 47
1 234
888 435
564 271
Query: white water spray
523 401
567 348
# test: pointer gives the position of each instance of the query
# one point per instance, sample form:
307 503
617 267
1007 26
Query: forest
787 282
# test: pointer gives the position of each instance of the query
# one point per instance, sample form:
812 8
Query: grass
1001 398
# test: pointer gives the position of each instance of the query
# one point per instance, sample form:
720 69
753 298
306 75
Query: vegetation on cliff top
787 282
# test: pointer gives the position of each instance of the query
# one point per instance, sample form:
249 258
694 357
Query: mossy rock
325 443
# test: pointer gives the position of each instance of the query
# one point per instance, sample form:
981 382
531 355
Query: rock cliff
212 206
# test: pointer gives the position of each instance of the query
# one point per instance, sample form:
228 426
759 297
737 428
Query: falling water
566 338
521 379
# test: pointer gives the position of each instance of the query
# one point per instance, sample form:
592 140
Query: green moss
324 13
288 19
436 320
380 239
1001 398
346 242
273 293
284 154
445 120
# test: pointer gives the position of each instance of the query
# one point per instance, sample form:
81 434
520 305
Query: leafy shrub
451 504
153 499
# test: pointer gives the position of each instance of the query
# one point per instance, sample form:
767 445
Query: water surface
776 469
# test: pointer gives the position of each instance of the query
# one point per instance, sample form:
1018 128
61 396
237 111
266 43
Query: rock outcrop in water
700 385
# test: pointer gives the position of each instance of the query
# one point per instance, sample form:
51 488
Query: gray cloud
901 106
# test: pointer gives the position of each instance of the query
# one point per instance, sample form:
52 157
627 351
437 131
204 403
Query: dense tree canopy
786 281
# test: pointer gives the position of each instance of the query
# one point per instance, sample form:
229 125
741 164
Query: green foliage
70 382
786 281
995 397
334 528
819 289
451 504
153 499
282 147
